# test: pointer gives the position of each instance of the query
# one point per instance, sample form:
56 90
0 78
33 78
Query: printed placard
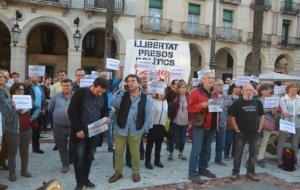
195 82
271 102
90 77
86 82
95 73
112 64
287 126
227 100
144 65
156 87
22 101
97 127
254 79
215 105
242 80
36 70
176 73
279 90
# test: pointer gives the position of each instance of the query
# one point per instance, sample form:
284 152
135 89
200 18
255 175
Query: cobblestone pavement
173 176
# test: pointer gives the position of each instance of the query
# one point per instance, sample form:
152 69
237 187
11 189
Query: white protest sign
97 127
112 64
242 80
225 88
176 73
271 102
144 65
22 101
215 105
254 79
165 55
95 73
227 100
9 83
90 77
287 126
86 82
195 82
156 87
279 90
36 70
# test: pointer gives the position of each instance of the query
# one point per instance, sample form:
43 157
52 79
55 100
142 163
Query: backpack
289 159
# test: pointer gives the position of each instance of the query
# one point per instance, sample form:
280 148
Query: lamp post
212 63
77 34
16 31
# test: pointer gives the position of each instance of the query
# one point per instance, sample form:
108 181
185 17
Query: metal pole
109 25
212 64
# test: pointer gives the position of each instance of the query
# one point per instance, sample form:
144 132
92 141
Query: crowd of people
136 117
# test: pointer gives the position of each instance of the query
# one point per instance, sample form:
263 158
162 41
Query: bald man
247 117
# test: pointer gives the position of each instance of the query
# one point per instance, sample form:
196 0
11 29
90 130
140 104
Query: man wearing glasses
79 74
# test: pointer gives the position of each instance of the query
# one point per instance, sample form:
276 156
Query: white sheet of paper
195 82
112 64
97 127
271 102
215 105
242 80
279 90
9 83
22 101
86 82
254 79
144 65
95 73
90 77
287 126
226 87
36 70
156 87
176 73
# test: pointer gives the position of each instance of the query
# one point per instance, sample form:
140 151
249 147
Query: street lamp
16 31
212 63
77 34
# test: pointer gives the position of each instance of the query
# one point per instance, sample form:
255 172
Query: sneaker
261 163
64 169
226 158
26 174
170 157
207 173
235 176
55 148
196 179
182 157
221 163
12 177
89 184
252 176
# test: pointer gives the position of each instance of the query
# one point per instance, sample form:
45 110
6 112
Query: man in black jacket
87 106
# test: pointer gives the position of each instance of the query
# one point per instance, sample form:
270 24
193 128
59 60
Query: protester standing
79 74
57 87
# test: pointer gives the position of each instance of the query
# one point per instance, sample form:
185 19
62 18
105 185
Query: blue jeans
220 143
173 136
229 140
201 150
84 154
179 132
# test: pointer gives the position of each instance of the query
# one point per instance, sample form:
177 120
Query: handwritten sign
112 64
254 79
279 90
22 101
195 82
36 70
287 126
97 127
242 80
176 73
86 82
271 102
156 87
215 105
144 65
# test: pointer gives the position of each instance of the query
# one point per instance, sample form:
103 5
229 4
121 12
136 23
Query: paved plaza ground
47 166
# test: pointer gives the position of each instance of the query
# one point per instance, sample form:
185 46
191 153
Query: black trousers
155 135
4 151
36 133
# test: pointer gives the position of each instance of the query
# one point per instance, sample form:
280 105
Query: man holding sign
87 106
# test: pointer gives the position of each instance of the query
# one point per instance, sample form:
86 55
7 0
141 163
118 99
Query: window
285 31
194 13
155 14
288 5
227 24
229 64
48 40
266 2
89 44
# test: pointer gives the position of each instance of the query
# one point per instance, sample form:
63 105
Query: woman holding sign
18 137
290 105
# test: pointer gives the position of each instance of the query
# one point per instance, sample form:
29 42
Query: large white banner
164 55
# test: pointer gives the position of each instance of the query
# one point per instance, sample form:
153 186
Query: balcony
101 5
267 5
156 24
290 42
233 2
229 34
266 39
289 8
60 3
194 30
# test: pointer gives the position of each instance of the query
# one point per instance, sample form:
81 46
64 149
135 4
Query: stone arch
5 41
6 21
251 69
284 63
47 20
197 58
120 40
226 61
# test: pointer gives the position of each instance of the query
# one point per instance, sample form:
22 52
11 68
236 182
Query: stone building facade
47 33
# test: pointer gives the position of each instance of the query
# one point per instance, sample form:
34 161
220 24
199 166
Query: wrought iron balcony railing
289 8
289 42
194 29
156 24
101 4
266 38
234 2
229 34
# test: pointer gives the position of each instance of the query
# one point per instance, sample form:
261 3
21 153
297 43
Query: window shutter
194 9
157 4
227 15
